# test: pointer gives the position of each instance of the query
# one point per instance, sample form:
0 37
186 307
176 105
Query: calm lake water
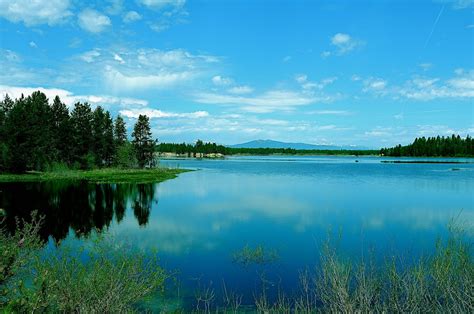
286 204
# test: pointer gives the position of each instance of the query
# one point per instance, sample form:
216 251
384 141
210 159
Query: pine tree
120 131
81 119
98 139
109 142
143 144
62 131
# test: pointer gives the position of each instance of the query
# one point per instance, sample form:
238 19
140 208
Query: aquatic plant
258 255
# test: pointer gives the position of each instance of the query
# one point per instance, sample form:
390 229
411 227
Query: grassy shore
108 175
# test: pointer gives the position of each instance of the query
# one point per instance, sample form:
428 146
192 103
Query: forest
213 148
450 146
39 136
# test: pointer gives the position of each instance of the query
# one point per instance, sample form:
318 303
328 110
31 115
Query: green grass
108 175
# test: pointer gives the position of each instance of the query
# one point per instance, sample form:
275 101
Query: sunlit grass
108 175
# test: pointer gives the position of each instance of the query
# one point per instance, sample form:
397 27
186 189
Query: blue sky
370 73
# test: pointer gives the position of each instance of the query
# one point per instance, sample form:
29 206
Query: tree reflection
79 206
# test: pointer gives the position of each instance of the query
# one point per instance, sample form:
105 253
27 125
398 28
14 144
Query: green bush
101 277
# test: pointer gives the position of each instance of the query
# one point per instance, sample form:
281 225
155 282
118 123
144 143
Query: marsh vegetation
105 275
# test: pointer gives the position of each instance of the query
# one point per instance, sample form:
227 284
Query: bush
103 277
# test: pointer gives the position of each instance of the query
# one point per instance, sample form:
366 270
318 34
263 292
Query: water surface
288 204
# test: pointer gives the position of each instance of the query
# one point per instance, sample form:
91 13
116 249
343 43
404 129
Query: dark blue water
290 205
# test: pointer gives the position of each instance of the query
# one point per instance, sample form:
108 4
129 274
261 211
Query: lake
287 205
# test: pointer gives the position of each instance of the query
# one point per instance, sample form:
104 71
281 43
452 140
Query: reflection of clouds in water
419 219
166 235
200 210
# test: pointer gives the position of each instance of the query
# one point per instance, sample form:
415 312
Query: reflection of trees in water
142 203
80 206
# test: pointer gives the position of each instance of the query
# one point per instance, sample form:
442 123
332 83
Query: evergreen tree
120 131
109 142
81 120
62 131
28 127
143 144
98 138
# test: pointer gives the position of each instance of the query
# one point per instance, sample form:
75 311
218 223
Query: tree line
450 146
37 135
191 150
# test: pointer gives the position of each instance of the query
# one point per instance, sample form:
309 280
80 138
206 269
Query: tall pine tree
143 143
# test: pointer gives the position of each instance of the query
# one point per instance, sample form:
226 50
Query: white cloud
307 85
240 90
33 44
273 100
159 4
344 43
379 132
93 21
461 86
155 113
355 78
222 81
131 16
115 7
119 81
301 78
118 58
463 4
425 88
325 54
376 85
90 56
331 112
286 58
148 68
70 98
35 12
159 27
425 66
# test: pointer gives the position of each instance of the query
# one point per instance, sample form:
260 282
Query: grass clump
104 277
107 175
258 255
440 283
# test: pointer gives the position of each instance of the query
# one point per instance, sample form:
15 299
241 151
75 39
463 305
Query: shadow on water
79 206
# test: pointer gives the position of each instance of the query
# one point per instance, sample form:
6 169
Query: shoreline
107 175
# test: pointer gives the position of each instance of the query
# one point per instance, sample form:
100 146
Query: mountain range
302 146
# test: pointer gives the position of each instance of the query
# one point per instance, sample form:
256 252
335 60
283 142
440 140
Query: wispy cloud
90 56
158 114
375 85
160 4
120 81
93 21
344 43
131 16
331 112
273 100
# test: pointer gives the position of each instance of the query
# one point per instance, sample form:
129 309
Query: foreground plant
102 277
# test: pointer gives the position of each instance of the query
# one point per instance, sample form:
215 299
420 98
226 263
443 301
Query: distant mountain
277 144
